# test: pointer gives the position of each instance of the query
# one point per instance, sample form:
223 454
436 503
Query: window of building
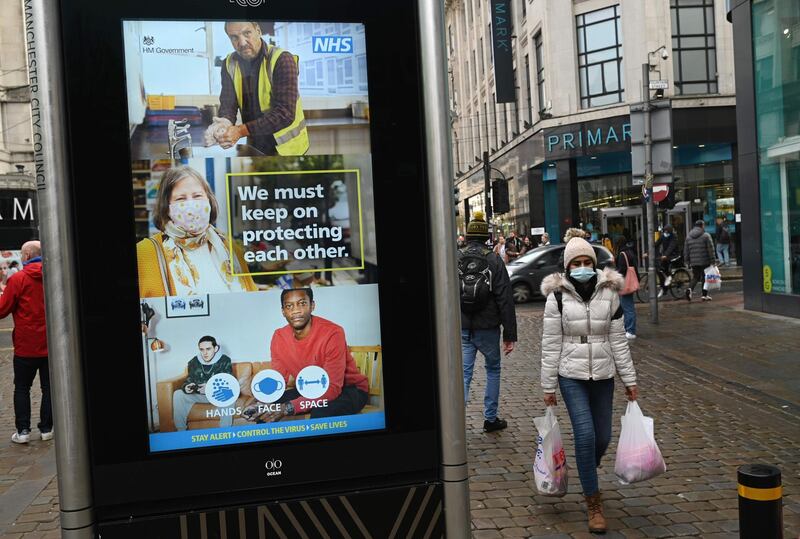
486 125
600 57
515 109
450 37
529 86
481 55
494 122
524 8
539 72
474 68
694 46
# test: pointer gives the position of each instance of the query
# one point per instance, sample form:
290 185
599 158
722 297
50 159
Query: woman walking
583 346
626 258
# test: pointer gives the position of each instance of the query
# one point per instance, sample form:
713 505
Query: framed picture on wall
187 306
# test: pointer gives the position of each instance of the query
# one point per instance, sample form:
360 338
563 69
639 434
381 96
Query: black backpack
475 278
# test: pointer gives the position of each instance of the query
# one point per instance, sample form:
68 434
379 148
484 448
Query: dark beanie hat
478 228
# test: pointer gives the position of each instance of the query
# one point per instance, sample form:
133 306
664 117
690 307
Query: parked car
526 272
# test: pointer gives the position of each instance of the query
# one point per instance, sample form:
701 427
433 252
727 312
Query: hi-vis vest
291 140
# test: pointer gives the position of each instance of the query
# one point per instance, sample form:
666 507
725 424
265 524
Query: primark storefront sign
588 138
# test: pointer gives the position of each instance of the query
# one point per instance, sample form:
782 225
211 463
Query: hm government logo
247 3
148 40
273 467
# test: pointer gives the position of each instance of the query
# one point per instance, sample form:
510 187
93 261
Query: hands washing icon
222 391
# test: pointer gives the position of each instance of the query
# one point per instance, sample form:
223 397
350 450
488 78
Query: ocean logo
332 44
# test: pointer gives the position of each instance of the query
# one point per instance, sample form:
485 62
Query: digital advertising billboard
252 185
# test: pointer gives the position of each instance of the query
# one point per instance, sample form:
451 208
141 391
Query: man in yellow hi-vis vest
260 82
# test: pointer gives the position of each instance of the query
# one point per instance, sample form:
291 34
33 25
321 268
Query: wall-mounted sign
501 45
588 138
659 84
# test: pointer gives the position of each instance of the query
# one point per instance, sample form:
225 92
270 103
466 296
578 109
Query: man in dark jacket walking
23 298
698 252
483 313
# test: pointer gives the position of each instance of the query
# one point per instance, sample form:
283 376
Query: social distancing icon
312 382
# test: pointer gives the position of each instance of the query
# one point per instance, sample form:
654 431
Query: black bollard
760 502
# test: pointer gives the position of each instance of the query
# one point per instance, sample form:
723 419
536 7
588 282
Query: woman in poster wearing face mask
190 255
583 346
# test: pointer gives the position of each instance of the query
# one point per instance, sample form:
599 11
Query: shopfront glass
776 52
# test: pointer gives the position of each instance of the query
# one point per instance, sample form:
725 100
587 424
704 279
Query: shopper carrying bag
583 347
638 455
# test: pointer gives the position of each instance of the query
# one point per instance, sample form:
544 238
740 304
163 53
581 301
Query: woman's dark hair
168 182
622 242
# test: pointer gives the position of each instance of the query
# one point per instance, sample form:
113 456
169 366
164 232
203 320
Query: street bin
249 338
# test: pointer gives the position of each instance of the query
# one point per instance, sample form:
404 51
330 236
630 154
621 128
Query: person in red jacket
312 340
23 298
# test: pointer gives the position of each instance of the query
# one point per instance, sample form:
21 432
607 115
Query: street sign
659 84
659 192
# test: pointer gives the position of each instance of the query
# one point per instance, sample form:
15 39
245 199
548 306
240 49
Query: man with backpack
486 304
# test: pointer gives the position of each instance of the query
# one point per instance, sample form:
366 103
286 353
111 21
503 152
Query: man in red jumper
311 340
23 297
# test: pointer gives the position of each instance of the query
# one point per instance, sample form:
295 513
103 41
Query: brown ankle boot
597 522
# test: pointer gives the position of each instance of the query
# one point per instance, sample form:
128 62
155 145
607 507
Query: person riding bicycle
667 248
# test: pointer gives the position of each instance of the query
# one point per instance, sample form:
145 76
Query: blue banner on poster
266 432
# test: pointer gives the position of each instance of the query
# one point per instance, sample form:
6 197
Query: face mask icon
269 385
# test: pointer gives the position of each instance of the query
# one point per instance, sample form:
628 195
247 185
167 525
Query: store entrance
680 217
626 221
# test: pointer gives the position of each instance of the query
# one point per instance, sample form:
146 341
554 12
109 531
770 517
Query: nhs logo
334 44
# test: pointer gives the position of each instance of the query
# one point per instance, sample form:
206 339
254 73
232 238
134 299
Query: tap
180 140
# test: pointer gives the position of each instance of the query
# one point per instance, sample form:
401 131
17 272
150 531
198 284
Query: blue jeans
723 253
589 403
487 341
629 311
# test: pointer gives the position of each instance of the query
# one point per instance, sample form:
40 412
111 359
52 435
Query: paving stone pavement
707 423
714 410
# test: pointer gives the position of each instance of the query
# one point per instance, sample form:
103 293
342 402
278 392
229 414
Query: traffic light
500 197
455 198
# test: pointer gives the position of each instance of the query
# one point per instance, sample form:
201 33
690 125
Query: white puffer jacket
585 341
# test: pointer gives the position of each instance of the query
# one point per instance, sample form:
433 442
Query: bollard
760 502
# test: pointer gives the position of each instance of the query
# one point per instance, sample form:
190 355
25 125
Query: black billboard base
411 511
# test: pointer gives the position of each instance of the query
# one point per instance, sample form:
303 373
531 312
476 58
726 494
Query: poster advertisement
255 234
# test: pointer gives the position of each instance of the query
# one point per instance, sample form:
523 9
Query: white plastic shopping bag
550 463
713 280
638 456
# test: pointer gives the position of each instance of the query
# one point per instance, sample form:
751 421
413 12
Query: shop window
776 24
694 46
600 57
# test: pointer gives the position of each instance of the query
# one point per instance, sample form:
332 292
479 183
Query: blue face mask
582 274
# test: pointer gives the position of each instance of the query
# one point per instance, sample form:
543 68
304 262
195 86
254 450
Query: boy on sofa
201 368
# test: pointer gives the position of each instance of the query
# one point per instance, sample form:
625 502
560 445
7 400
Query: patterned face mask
191 215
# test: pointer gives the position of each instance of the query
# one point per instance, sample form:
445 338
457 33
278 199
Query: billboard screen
255 234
